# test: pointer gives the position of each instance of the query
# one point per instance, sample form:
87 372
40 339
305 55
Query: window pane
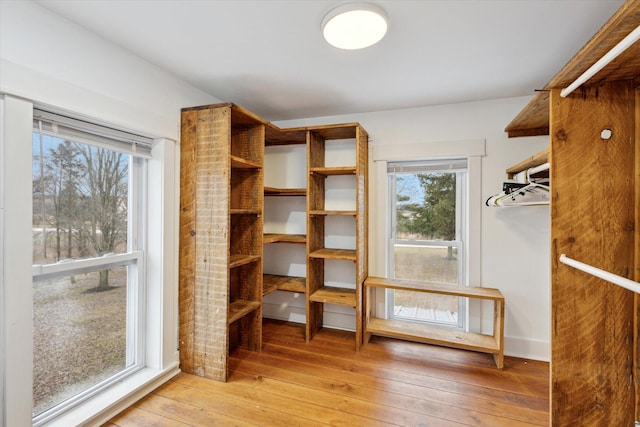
432 264
79 334
80 197
428 263
426 206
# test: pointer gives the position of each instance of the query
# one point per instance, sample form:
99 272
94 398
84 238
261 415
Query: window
88 253
427 227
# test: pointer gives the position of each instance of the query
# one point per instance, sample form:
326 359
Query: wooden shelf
238 260
272 191
240 308
273 282
324 213
334 295
240 163
433 334
339 131
325 253
292 136
245 211
336 170
536 160
284 238
434 288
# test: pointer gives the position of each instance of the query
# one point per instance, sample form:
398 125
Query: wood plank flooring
325 382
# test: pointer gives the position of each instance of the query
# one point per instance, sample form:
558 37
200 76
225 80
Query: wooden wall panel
593 222
636 357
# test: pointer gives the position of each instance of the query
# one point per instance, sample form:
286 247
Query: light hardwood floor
325 382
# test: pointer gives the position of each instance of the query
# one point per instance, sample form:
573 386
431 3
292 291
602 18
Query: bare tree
64 172
105 204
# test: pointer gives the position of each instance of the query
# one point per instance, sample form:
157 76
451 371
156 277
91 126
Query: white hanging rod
535 170
605 275
631 38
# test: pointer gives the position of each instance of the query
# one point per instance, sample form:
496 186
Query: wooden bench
492 344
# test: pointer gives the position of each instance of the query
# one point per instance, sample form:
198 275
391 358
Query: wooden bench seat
485 343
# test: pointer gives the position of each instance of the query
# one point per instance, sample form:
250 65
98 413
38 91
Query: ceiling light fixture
354 26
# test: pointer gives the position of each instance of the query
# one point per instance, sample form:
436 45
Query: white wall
46 58
515 241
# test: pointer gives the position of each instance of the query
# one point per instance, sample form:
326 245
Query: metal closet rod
631 38
605 275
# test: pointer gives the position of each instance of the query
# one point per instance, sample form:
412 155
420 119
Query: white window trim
161 352
479 318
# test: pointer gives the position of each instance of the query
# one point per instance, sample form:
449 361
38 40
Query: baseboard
527 349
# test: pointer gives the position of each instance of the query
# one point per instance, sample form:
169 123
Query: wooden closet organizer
222 231
595 215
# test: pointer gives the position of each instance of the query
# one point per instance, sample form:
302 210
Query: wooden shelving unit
485 343
589 316
221 231
222 238
319 292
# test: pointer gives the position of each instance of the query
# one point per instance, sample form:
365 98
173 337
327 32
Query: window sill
101 408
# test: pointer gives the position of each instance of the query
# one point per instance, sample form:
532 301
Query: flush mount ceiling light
354 26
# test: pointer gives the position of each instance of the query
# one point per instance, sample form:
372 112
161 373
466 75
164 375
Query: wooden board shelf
433 334
450 337
338 131
238 260
336 170
334 295
240 308
434 288
536 160
284 238
292 136
272 191
326 253
273 282
245 211
240 163
325 213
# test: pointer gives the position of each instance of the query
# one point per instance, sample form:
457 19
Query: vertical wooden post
592 221
204 241
186 275
362 226
636 249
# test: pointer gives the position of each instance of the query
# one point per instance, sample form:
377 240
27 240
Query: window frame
133 259
161 353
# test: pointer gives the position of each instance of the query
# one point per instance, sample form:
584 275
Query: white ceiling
269 56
